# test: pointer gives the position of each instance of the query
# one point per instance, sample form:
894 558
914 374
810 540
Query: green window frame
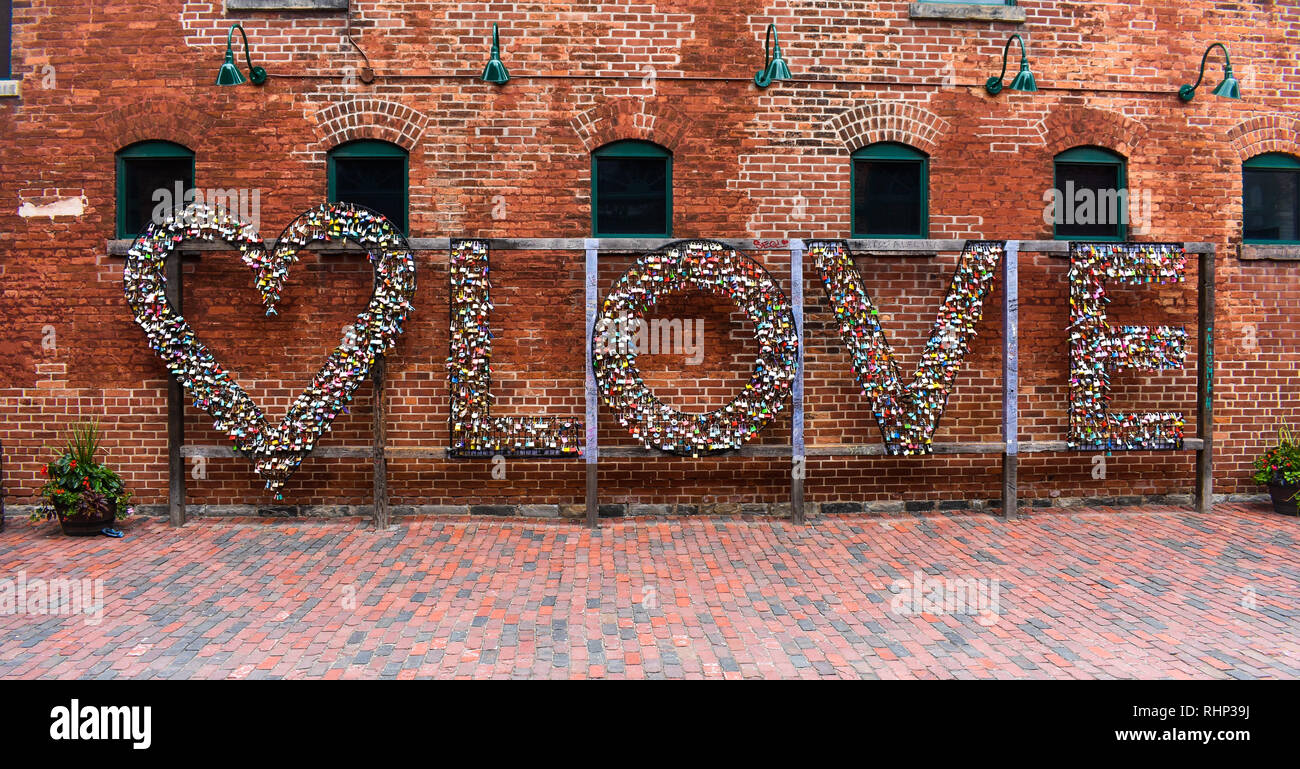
630 149
371 149
1098 157
891 154
146 150
1277 165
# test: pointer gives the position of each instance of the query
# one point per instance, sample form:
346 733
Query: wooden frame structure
1009 446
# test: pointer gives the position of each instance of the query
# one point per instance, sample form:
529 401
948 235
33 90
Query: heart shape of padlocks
277 450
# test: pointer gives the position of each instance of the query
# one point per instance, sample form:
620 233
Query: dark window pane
631 196
1091 206
1271 200
887 198
144 177
376 183
6 39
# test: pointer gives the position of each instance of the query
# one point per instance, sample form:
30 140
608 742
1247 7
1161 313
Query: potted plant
86 496
1279 468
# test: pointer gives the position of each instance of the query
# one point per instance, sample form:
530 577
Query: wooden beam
3 492
879 450
748 450
1205 384
798 458
1010 378
869 247
439 451
976 447
1049 447
333 452
1062 247
591 451
631 245
378 373
175 406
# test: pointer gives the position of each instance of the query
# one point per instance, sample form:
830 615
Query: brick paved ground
1095 593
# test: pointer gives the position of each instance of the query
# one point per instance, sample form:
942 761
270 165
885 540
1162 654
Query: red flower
45 470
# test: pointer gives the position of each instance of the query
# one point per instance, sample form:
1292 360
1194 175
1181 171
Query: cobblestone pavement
1157 592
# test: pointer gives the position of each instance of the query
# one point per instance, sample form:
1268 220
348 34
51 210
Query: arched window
372 174
1091 195
153 178
891 192
1270 199
632 190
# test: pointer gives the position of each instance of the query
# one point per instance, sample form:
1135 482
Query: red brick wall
747 163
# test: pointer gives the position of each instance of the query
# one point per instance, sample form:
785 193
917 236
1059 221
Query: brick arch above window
1265 133
369 118
1070 127
876 122
628 118
173 122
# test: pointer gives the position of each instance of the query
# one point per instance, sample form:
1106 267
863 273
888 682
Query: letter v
907 416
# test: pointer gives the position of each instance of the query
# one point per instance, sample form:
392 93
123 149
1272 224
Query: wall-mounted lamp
1024 81
1228 89
774 67
229 74
495 71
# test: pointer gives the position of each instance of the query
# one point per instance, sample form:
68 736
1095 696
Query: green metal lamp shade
1024 80
229 74
778 70
495 71
1230 88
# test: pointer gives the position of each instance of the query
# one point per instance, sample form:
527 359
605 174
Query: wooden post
2 487
798 459
175 407
1205 383
591 452
1010 377
378 372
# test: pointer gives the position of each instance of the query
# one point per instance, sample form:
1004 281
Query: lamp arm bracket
1187 92
994 84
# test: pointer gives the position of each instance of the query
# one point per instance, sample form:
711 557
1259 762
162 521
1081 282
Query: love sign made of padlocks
907 413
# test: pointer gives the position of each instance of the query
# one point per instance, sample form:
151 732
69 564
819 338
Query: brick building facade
515 161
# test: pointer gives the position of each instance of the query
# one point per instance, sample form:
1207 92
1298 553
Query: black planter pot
1284 500
78 525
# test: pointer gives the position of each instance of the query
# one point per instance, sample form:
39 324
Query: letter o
719 270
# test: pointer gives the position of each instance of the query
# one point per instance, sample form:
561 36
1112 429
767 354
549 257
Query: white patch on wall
644 30
74 207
